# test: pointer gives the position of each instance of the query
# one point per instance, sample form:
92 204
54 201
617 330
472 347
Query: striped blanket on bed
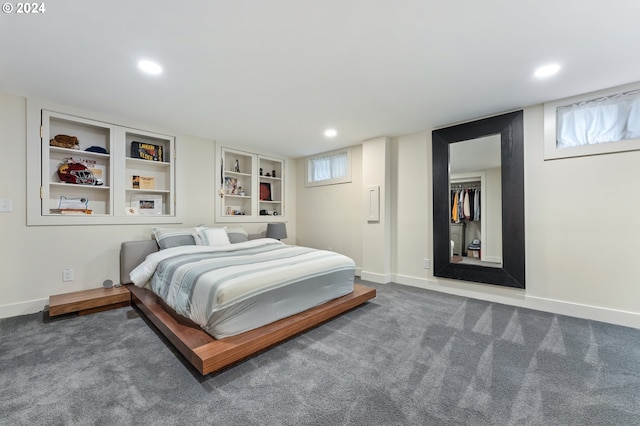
198 281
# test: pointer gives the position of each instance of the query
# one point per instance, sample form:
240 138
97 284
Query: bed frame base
208 354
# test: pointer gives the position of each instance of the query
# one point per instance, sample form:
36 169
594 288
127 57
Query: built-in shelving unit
126 176
249 191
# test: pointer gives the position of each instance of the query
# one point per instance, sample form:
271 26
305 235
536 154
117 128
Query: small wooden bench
89 301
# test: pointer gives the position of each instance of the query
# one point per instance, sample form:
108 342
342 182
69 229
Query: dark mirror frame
510 127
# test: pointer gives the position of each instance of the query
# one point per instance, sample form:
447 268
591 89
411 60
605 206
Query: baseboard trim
519 298
23 308
595 313
375 277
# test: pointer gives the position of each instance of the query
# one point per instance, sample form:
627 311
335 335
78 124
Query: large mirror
478 201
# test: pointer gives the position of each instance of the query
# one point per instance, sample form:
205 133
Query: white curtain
608 119
329 167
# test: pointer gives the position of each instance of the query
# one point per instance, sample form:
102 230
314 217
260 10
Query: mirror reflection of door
476 201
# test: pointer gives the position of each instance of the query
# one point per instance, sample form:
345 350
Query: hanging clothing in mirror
465 204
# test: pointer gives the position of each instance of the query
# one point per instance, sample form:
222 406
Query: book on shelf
147 151
70 211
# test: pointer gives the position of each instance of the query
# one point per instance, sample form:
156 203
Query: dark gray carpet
409 357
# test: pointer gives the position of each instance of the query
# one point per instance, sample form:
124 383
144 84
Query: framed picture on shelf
265 191
146 151
147 204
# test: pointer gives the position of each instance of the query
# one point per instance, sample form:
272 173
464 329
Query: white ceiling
272 75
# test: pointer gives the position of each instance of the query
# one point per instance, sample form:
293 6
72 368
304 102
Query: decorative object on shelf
260 171
135 182
276 231
230 185
76 173
65 202
65 141
147 182
147 204
263 212
265 191
131 211
146 151
236 167
234 211
273 173
72 205
275 212
97 149
98 170
241 191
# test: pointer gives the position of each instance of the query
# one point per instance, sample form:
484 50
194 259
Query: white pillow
197 235
214 236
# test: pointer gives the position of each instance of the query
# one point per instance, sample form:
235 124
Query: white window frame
344 179
552 152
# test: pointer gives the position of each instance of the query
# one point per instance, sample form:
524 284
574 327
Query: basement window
596 123
329 168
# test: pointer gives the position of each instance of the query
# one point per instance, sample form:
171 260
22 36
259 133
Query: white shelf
143 162
77 152
75 186
151 191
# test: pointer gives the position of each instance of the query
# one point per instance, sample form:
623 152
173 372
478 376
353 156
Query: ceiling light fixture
150 67
547 70
330 133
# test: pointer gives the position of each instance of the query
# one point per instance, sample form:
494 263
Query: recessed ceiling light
150 67
330 133
547 70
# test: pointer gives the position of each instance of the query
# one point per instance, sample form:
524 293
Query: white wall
330 217
580 217
376 234
411 205
581 222
32 258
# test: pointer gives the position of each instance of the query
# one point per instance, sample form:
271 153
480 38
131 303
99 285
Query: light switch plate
6 205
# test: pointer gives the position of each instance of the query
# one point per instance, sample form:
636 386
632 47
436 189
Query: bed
243 297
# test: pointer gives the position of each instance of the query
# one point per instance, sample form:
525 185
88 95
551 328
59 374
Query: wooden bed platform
208 354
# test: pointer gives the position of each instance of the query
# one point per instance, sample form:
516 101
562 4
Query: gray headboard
133 253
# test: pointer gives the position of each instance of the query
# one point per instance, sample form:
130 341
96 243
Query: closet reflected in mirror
476 202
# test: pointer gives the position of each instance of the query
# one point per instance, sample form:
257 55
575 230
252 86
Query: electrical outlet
67 275
426 263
